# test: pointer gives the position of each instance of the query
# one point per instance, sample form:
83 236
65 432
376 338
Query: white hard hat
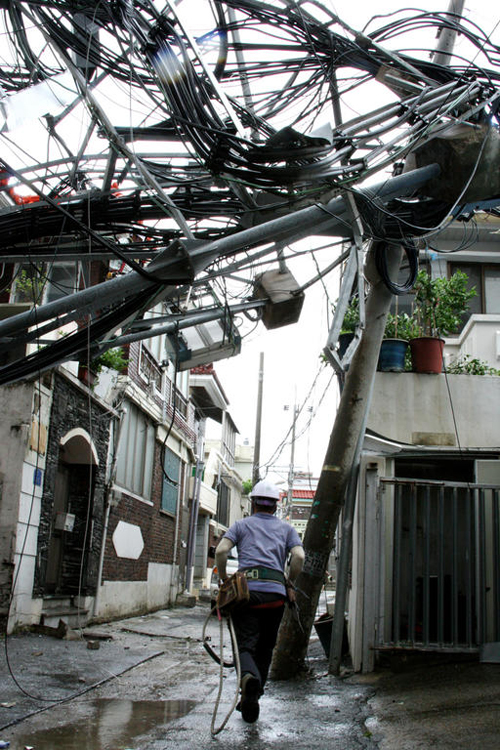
265 493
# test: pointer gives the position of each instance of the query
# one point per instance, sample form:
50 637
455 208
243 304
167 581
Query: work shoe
250 692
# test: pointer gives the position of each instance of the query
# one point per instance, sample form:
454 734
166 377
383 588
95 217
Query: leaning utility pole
342 455
290 652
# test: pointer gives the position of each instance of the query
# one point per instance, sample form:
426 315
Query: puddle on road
111 725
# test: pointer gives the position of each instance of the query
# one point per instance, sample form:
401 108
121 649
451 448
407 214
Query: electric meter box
64 521
285 298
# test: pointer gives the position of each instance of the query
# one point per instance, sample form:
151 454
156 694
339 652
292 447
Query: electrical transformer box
285 298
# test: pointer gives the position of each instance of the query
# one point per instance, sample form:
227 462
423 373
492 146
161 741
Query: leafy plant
440 303
28 285
112 358
402 326
351 317
468 365
246 486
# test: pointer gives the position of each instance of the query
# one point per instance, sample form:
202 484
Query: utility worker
264 543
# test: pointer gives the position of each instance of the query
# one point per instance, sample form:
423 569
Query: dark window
486 280
223 504
443 469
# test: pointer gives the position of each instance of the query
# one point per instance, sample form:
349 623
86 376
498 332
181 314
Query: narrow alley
147 683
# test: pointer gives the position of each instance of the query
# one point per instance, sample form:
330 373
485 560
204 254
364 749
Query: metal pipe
426 576
470 562
107 508
343 572
178 521
441 535
496 558
396 606
454 576
193 521
333 216
412 564
180 324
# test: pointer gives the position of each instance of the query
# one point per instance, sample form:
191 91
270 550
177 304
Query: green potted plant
114 359
439 306
399 329
349 325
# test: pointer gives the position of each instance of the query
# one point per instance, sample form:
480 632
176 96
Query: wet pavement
146 683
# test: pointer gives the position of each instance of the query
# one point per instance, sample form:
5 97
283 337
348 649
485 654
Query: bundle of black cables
411 252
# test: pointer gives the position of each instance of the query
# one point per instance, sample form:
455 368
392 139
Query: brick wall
157 527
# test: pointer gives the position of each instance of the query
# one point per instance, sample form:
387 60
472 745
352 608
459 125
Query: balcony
208 497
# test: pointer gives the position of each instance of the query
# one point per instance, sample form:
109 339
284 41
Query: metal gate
445 558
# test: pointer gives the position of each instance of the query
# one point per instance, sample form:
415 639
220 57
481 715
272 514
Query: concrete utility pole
291 468
444 48
258 424
290 652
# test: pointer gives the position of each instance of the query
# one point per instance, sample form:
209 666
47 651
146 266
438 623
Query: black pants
256 632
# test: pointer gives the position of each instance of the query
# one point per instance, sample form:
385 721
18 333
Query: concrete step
56 609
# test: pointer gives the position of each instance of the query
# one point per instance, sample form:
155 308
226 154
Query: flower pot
392 355
344 341
427 355
86 375
323 627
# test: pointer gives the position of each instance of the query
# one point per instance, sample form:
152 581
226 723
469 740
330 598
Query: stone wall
74 407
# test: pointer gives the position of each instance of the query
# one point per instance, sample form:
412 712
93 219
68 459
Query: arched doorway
71 525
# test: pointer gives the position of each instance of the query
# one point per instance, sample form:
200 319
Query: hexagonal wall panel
128 541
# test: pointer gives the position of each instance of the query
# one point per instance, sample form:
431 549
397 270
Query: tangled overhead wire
187 94
205 122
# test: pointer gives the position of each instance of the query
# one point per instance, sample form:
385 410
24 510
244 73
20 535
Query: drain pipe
107 507
174 584
193 521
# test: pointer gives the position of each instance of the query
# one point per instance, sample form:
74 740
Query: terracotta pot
427 355
86 376
392 355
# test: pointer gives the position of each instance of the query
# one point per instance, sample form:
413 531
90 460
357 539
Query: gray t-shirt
263 539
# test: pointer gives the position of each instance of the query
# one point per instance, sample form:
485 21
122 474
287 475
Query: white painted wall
158 591
480 339
423 409
208 497
23 408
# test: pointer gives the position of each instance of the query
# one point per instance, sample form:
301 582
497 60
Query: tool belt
233 591
260 573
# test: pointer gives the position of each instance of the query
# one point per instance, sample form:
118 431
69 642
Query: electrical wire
380 254
216 178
